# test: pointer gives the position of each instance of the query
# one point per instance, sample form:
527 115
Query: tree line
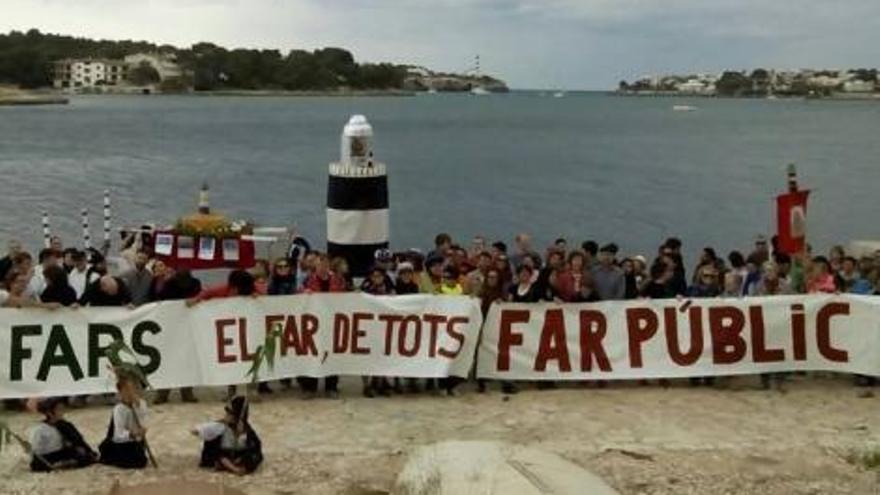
26 60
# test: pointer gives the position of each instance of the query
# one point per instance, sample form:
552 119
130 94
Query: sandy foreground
731 439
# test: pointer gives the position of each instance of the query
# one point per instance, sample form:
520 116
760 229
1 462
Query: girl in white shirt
230 444
124 444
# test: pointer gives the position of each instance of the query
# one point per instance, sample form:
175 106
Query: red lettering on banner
760 352
309 325
403 332
641 325
594 326
553 343
341 329
222 341
823 332
290 337
726 324
357 332
799 332
434 321
389 320
242 340
454 335
695 347
507 337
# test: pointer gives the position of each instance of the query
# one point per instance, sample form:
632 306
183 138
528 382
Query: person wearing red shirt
322 280
239 283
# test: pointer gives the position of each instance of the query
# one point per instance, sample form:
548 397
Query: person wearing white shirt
56 443
124 445
80 276
36 286
230 444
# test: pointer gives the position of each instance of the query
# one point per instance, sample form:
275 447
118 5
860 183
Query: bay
586 166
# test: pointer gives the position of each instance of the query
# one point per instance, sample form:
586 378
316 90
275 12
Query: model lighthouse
357 200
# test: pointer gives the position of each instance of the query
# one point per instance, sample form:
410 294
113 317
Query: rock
168 487
453 468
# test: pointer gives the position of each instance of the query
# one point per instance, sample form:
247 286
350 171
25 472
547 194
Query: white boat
683 108
432 91
479 91
559 94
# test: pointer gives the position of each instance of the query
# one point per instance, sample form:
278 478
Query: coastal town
50 63
770 83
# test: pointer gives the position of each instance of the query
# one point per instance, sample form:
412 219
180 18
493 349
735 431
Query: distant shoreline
673 94
311 93
17 97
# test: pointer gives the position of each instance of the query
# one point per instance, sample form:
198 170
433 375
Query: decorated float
206 240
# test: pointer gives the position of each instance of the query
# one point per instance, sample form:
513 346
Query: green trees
144 74
733 84
25 59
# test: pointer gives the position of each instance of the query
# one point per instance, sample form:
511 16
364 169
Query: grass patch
867 459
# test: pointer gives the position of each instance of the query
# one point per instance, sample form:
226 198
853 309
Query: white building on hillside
88 73
165 65
696 87
858 86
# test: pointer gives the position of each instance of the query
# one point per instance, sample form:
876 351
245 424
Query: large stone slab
493 468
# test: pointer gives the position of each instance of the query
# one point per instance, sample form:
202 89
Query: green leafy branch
265 354
123 368
7 436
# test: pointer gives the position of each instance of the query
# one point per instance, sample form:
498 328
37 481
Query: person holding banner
15 294
238 283
431 280
492 292
57 290
322 280
13 249
821 279
575 283
524 290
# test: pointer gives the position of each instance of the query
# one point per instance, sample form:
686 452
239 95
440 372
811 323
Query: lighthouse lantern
357 136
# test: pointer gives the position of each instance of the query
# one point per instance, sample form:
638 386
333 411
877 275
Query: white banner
681 338
44 353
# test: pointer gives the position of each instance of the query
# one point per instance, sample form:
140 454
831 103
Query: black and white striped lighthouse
357 200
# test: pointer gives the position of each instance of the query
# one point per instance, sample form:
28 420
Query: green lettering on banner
96 350
18 353
58 341
138 345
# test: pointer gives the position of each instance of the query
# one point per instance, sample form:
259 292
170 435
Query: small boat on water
559 94
683 108
479 91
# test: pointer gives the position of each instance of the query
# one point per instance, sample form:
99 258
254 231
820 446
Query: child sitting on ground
230 444
124 445
56 443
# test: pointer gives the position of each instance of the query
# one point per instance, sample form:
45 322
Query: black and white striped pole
47 232
357 200
106 218
87 236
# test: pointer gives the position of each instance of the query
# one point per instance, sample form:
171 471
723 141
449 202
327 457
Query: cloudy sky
573 44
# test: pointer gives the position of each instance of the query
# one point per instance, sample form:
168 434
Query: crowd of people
493 272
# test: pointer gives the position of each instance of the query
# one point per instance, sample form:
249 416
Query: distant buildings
759 82
106 75
73 74
165 65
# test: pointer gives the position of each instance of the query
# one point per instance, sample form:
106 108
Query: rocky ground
818 437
